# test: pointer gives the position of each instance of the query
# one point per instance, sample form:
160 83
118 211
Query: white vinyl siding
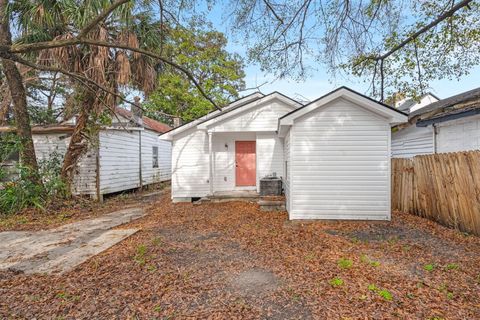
190 164
340 164
269 156
165 159
459 135
260 118
412 141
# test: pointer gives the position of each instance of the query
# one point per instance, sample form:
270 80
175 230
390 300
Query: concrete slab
61 249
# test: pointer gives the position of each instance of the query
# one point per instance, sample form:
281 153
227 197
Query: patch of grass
157 308
410 295
336 282
385 294
345 263
140 255
406 248
372 287
451 266
429 267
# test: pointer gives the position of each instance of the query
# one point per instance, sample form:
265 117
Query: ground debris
233 261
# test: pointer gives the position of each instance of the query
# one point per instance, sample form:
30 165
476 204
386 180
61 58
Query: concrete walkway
61 249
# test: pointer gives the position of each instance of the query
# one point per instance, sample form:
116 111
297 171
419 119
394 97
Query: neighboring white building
409 105
333 154
127 155
448 125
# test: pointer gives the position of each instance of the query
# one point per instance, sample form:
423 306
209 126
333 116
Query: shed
333 154
127 155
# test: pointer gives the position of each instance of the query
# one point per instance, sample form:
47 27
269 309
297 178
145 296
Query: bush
20 192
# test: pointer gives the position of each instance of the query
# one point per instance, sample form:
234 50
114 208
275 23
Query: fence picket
441 187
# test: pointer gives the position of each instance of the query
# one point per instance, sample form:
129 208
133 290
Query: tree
394 45
19 99
217 71
94 46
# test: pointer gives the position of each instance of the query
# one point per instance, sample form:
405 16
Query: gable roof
240 101
394 115
228 113
342 91
148 123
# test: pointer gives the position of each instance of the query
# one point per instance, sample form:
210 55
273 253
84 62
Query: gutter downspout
210 166
140 158
97 163
435 132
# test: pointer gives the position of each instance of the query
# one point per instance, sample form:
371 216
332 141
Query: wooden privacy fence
442 187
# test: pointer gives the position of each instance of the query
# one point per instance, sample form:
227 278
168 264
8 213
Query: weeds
451 266
336 282
140 255
429 267
19 192
384 293
344 263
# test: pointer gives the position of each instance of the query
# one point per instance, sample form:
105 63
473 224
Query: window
155 157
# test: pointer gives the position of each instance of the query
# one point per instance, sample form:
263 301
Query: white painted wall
84 181
149 173
190 164
412 141
340 164
459 135
119 160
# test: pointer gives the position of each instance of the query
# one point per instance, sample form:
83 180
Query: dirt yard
233 261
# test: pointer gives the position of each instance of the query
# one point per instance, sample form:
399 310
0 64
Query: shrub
20 192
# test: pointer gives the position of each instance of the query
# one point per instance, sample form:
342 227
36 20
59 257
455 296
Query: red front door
245 163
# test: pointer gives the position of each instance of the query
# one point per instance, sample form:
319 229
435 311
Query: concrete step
272 205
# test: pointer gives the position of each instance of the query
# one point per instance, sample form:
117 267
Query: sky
320 82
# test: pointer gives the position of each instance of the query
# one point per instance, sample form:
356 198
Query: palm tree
111 68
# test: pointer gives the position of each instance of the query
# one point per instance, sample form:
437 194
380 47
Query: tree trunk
78 141
19 98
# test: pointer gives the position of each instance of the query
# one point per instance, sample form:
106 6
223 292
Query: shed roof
463 97
149 123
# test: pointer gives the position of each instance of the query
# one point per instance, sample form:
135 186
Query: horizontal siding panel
340 165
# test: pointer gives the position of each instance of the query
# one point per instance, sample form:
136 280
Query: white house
333 154
448 125
127 155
